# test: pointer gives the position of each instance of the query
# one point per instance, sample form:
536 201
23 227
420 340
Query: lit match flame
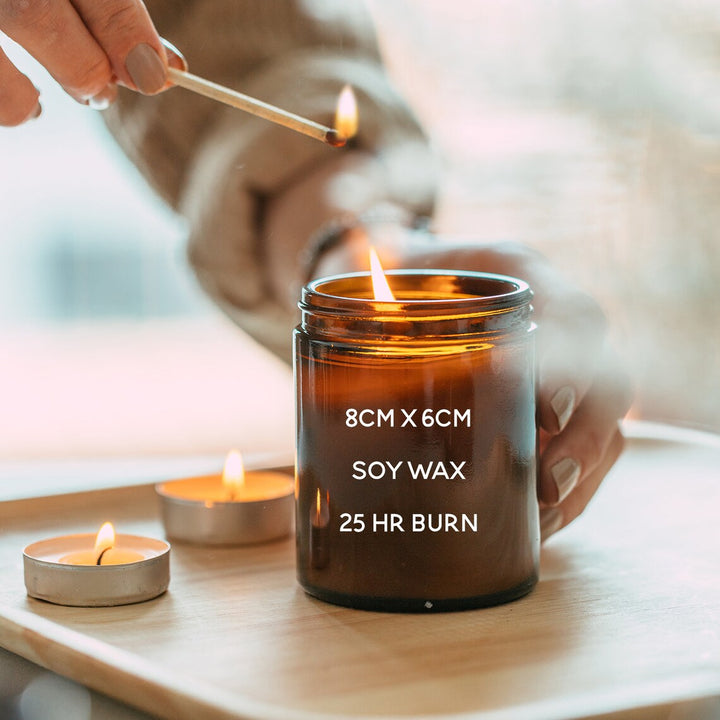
104 541
381 289
346 114
233 476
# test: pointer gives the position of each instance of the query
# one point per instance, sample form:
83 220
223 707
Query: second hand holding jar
416 430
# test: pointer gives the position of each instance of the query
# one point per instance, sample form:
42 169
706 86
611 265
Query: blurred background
590 130
585 129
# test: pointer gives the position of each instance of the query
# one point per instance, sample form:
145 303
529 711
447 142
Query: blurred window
83 236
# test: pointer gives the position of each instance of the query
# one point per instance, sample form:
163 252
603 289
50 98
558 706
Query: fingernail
551 520
146 69
566 474
103 99
175 58
36 113
563 404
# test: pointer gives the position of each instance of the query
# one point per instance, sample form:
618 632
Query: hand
88 46
582 390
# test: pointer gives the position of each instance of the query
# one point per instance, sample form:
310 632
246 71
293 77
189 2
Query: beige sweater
230 173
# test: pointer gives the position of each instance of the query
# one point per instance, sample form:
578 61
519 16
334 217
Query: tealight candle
87 570
234 508
416 441
104 552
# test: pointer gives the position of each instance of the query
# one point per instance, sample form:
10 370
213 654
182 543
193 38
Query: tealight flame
381 289
346 114
233 476
104 541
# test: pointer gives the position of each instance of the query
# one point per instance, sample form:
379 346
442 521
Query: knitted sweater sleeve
226 171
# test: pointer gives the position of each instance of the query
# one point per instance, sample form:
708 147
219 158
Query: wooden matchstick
256 107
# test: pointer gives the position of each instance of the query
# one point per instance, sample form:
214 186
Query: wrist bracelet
335 231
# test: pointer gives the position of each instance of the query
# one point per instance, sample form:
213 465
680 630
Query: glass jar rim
456 292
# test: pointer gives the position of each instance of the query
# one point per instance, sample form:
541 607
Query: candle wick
100 556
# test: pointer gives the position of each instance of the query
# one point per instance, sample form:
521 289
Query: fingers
125 33
583 448
582 394
571 334
88 46
557 517
18 96
53 32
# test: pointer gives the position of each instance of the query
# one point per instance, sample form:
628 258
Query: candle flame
346 114
233 476
104 541
318 505
381 289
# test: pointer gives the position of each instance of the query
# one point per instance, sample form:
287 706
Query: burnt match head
334 138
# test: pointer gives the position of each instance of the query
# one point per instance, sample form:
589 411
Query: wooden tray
626 616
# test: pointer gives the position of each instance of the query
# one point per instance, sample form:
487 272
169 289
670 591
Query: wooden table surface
625 621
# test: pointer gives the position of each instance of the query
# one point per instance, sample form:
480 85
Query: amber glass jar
416 442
